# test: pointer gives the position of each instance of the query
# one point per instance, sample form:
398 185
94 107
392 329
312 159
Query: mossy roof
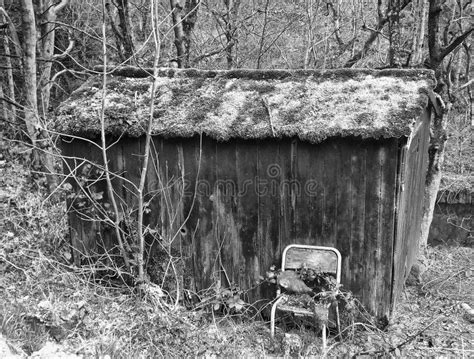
252 104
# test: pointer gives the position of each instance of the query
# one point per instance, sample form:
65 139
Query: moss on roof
311 105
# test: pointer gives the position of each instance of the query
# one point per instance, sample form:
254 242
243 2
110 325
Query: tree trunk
42 161
433 175
184 21
46 36
263 36
176 13
437 52
46 14
4 103
123 32
10 115
394 35
124 24
31 117
382 21
232 12
421 7
189 22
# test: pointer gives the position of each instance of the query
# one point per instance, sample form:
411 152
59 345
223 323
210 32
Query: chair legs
323 334
272 316
272 323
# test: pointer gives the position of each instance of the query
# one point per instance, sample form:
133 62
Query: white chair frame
280 297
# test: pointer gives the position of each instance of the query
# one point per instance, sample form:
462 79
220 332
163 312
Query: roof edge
277 74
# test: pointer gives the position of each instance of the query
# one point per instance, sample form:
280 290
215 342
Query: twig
267 106
406 341
447 278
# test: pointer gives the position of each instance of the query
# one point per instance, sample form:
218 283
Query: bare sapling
110 190
146 155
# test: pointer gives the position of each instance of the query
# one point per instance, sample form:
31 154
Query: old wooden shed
246 162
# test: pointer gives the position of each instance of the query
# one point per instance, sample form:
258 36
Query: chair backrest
323 259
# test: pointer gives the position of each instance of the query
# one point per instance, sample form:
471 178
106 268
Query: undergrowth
44 298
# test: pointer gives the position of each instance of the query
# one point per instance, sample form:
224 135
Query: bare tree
394 34
46 15
231 31
383 19
31 116
440 46
122 31
421 14
38 37
10 110
184 20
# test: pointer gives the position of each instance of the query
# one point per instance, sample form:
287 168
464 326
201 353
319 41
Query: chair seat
323 260
319 311
296 310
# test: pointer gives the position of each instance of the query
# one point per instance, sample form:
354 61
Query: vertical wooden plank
371 247
68 150
108 240
330 195
316 189
206 249
167 214
247 208
268 187
131 164
397 280
387 226
355 264
287 224
154 185
227 231
192 159
171 201
87 222
343 241
379 203
92 226
304 211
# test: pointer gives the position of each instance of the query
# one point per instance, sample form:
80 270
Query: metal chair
318 258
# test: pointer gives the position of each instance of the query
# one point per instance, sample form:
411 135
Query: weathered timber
230 208
411 177
247 162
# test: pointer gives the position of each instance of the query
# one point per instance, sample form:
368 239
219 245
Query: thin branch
13 33
95 37
146 156
373 36
467 84
65 52
212 53
60 6
393 348
454 44
104 145
11 102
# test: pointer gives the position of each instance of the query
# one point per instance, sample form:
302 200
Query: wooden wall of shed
414 164
230 208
